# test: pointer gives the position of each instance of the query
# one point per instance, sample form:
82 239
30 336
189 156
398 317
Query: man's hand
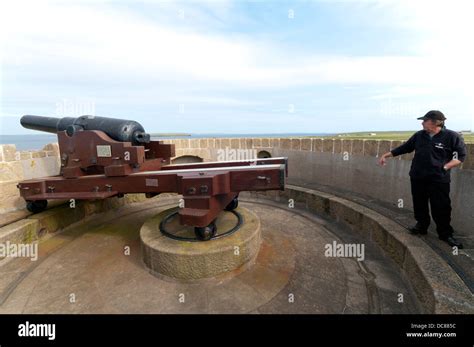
383 158
451 164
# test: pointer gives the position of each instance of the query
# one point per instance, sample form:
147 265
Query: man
437 151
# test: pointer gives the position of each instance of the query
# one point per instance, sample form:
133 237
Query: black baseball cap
434 115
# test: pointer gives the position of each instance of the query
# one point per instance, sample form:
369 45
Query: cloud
160 53
99 42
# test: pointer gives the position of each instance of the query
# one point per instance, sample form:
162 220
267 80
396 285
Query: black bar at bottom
318 330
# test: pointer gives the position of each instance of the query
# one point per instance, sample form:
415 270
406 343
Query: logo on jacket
439 145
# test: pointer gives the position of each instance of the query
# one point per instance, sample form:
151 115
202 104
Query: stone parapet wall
345 165
341 163
16 166
204 148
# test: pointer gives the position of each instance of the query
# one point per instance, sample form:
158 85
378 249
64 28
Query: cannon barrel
118 129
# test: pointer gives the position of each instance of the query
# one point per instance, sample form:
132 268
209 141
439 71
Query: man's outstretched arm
407 147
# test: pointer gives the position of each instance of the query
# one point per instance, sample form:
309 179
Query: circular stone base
195 260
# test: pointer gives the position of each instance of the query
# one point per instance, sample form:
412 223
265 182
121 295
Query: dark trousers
437 194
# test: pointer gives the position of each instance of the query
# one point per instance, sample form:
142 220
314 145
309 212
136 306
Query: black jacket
431 154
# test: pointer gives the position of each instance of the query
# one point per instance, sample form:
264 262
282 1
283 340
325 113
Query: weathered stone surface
306 144
92 207
22 231
275 143
328 145
235 143
58 218
394 241
194 143
40 167
347 146
285 143
357 147
384 147
8 152
346 212
299 198
318 145
38 154
379 235
420 284
441 291
468 163
318 204
184 143
338 146
11 171
296 144
24 155
246 143
256 143
211 143
470 148
195 260
437 286
10 199
179 152
371 147
203 143
376 231
205 154
52 147
225 143
133 198
114 203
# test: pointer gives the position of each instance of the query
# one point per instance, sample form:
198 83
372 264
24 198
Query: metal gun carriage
106 157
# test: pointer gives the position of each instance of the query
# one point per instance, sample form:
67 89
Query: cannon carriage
106 157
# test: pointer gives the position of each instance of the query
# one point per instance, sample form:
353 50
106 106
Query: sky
235 66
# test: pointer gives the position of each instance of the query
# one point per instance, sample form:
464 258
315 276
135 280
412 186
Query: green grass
385 135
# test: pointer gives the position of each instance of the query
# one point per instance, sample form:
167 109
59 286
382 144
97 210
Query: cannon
121 146
117 129
105 157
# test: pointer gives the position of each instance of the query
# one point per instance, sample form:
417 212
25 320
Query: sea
38 141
